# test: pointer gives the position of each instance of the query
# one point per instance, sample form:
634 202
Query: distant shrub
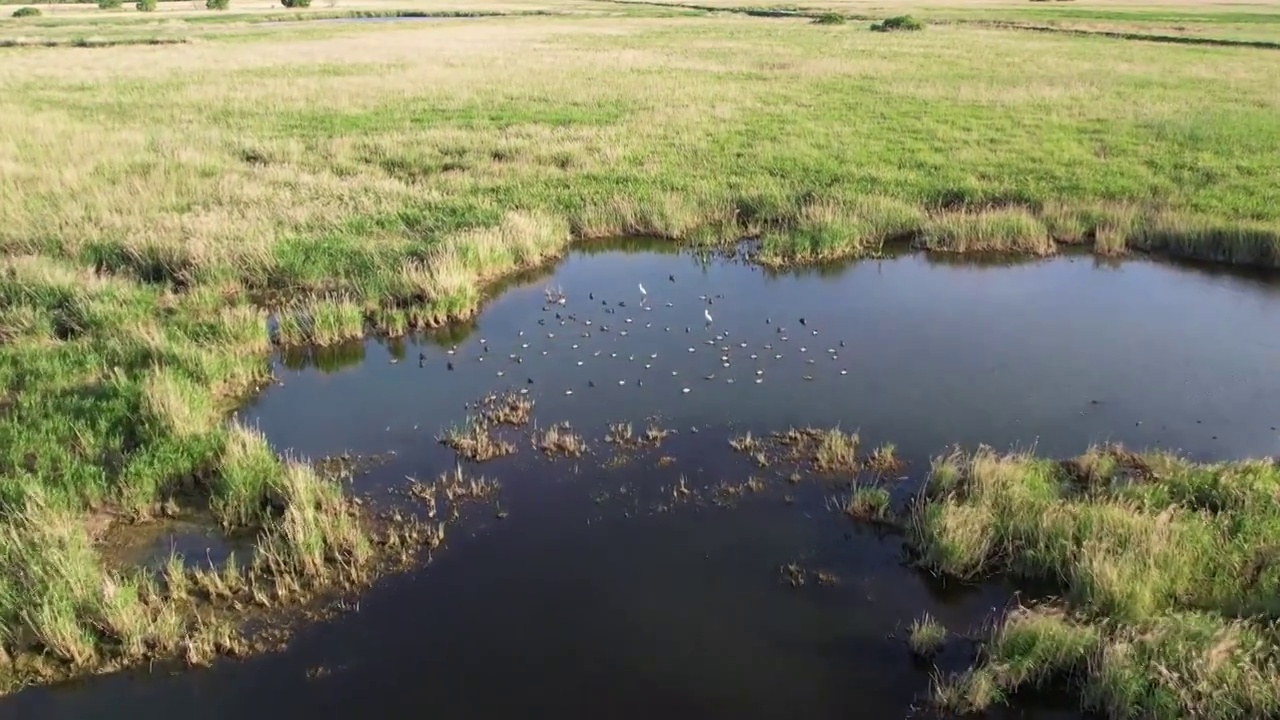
26 12
146 5
109 4
217 4
899 22
296 3
830 18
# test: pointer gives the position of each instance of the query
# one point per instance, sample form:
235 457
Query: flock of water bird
599 317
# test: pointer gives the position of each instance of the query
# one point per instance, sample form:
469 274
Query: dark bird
486 348
591 383
542 321
672 278
422 356
450 364
529 381
841 343
591 296
802 321
558 317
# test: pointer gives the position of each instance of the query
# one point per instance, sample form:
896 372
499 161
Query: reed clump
475 441
836 451
559 439
510 408
925 635
867 502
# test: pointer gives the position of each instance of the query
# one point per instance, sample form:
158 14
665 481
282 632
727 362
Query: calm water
586 602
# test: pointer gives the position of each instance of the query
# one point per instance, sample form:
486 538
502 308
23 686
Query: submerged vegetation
1167 568
173 212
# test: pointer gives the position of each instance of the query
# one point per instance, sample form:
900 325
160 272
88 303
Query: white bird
643 293
706 314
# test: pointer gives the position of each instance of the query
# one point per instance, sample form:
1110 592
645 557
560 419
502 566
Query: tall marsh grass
997 230
1157 557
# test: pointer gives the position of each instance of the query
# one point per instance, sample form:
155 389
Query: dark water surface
587 602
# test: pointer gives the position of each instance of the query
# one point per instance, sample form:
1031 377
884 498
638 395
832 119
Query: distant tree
217 4
26 12
146 5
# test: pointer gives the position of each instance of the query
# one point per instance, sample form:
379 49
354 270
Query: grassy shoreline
162 202
1167 571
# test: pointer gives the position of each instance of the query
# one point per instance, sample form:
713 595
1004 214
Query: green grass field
161 200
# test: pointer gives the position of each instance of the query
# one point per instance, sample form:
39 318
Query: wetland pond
646 582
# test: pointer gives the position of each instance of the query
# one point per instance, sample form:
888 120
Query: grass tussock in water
829 451
836 451
867 502
654 434
560 439
510 408
1167 569
476 441
726 493
925 635
457 487
748 444
884 460
621 434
